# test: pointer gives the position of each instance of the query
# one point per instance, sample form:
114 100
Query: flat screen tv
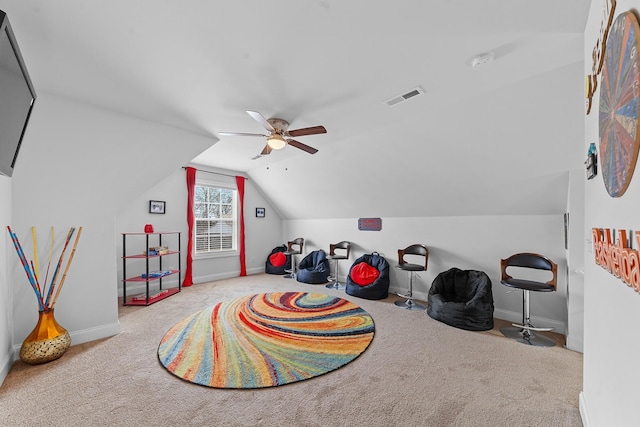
17 97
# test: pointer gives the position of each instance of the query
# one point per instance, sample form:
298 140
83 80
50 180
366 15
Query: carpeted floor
416 372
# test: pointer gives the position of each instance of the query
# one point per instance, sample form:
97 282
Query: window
216 223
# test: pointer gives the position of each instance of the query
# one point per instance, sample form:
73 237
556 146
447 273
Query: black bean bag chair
277 262
368 277
314 268
463 299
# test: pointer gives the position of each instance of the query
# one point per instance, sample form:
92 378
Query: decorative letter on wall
618 259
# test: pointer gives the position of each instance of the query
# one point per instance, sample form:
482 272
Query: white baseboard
92 334
575 344
226 275
256 270
541 322
5 366
584 414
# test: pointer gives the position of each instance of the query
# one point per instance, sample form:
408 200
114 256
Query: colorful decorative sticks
31 268
46 276
64 276
25 265
55 272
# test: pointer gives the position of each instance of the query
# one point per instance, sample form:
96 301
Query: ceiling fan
279 136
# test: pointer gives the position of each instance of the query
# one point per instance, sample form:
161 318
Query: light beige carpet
416 372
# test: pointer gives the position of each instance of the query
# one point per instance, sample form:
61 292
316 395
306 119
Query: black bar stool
293 252
524 333
419 250
343 246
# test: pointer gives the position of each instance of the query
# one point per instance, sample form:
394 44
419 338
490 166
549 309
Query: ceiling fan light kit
279 137
276 142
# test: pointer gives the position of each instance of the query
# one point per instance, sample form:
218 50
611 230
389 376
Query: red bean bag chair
277 262
368 277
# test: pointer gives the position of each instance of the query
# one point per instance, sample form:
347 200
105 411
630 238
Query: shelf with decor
152 273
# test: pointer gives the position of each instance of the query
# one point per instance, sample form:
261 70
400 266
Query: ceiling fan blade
240 134
302 146
260 119
267 150
314 130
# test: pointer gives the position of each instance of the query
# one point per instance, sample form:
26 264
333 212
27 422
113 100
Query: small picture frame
157 207
260 212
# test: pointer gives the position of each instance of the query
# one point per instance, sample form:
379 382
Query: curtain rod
217 173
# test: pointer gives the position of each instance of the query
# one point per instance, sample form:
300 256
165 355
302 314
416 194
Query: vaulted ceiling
490 140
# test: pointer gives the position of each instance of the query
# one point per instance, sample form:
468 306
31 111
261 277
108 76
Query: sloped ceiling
494 140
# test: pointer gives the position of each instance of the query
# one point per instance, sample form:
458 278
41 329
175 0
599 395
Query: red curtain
243 264
191 187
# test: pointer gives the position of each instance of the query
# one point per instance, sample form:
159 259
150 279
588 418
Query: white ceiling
494 140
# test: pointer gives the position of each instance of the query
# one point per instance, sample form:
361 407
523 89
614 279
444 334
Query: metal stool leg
292 273
409 303
336 280
524 333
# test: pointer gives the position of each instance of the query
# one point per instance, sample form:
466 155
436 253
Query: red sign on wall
370 224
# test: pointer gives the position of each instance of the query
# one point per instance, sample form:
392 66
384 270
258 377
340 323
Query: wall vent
401 98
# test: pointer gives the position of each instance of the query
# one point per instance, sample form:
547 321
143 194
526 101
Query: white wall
612 309
6 309
465 242
261 234
575 262
79 166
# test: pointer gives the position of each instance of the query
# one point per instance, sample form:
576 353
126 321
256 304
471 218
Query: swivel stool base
410 304
526 336
336 285
335 281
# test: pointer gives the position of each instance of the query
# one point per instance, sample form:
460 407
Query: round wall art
619 98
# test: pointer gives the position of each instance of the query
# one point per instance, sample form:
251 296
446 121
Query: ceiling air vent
401 98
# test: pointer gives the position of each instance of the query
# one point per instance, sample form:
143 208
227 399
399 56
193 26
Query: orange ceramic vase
48 341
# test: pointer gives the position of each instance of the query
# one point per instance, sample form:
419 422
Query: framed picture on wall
260 212
157 206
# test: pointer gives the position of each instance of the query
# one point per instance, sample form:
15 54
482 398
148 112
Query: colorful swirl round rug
266 340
